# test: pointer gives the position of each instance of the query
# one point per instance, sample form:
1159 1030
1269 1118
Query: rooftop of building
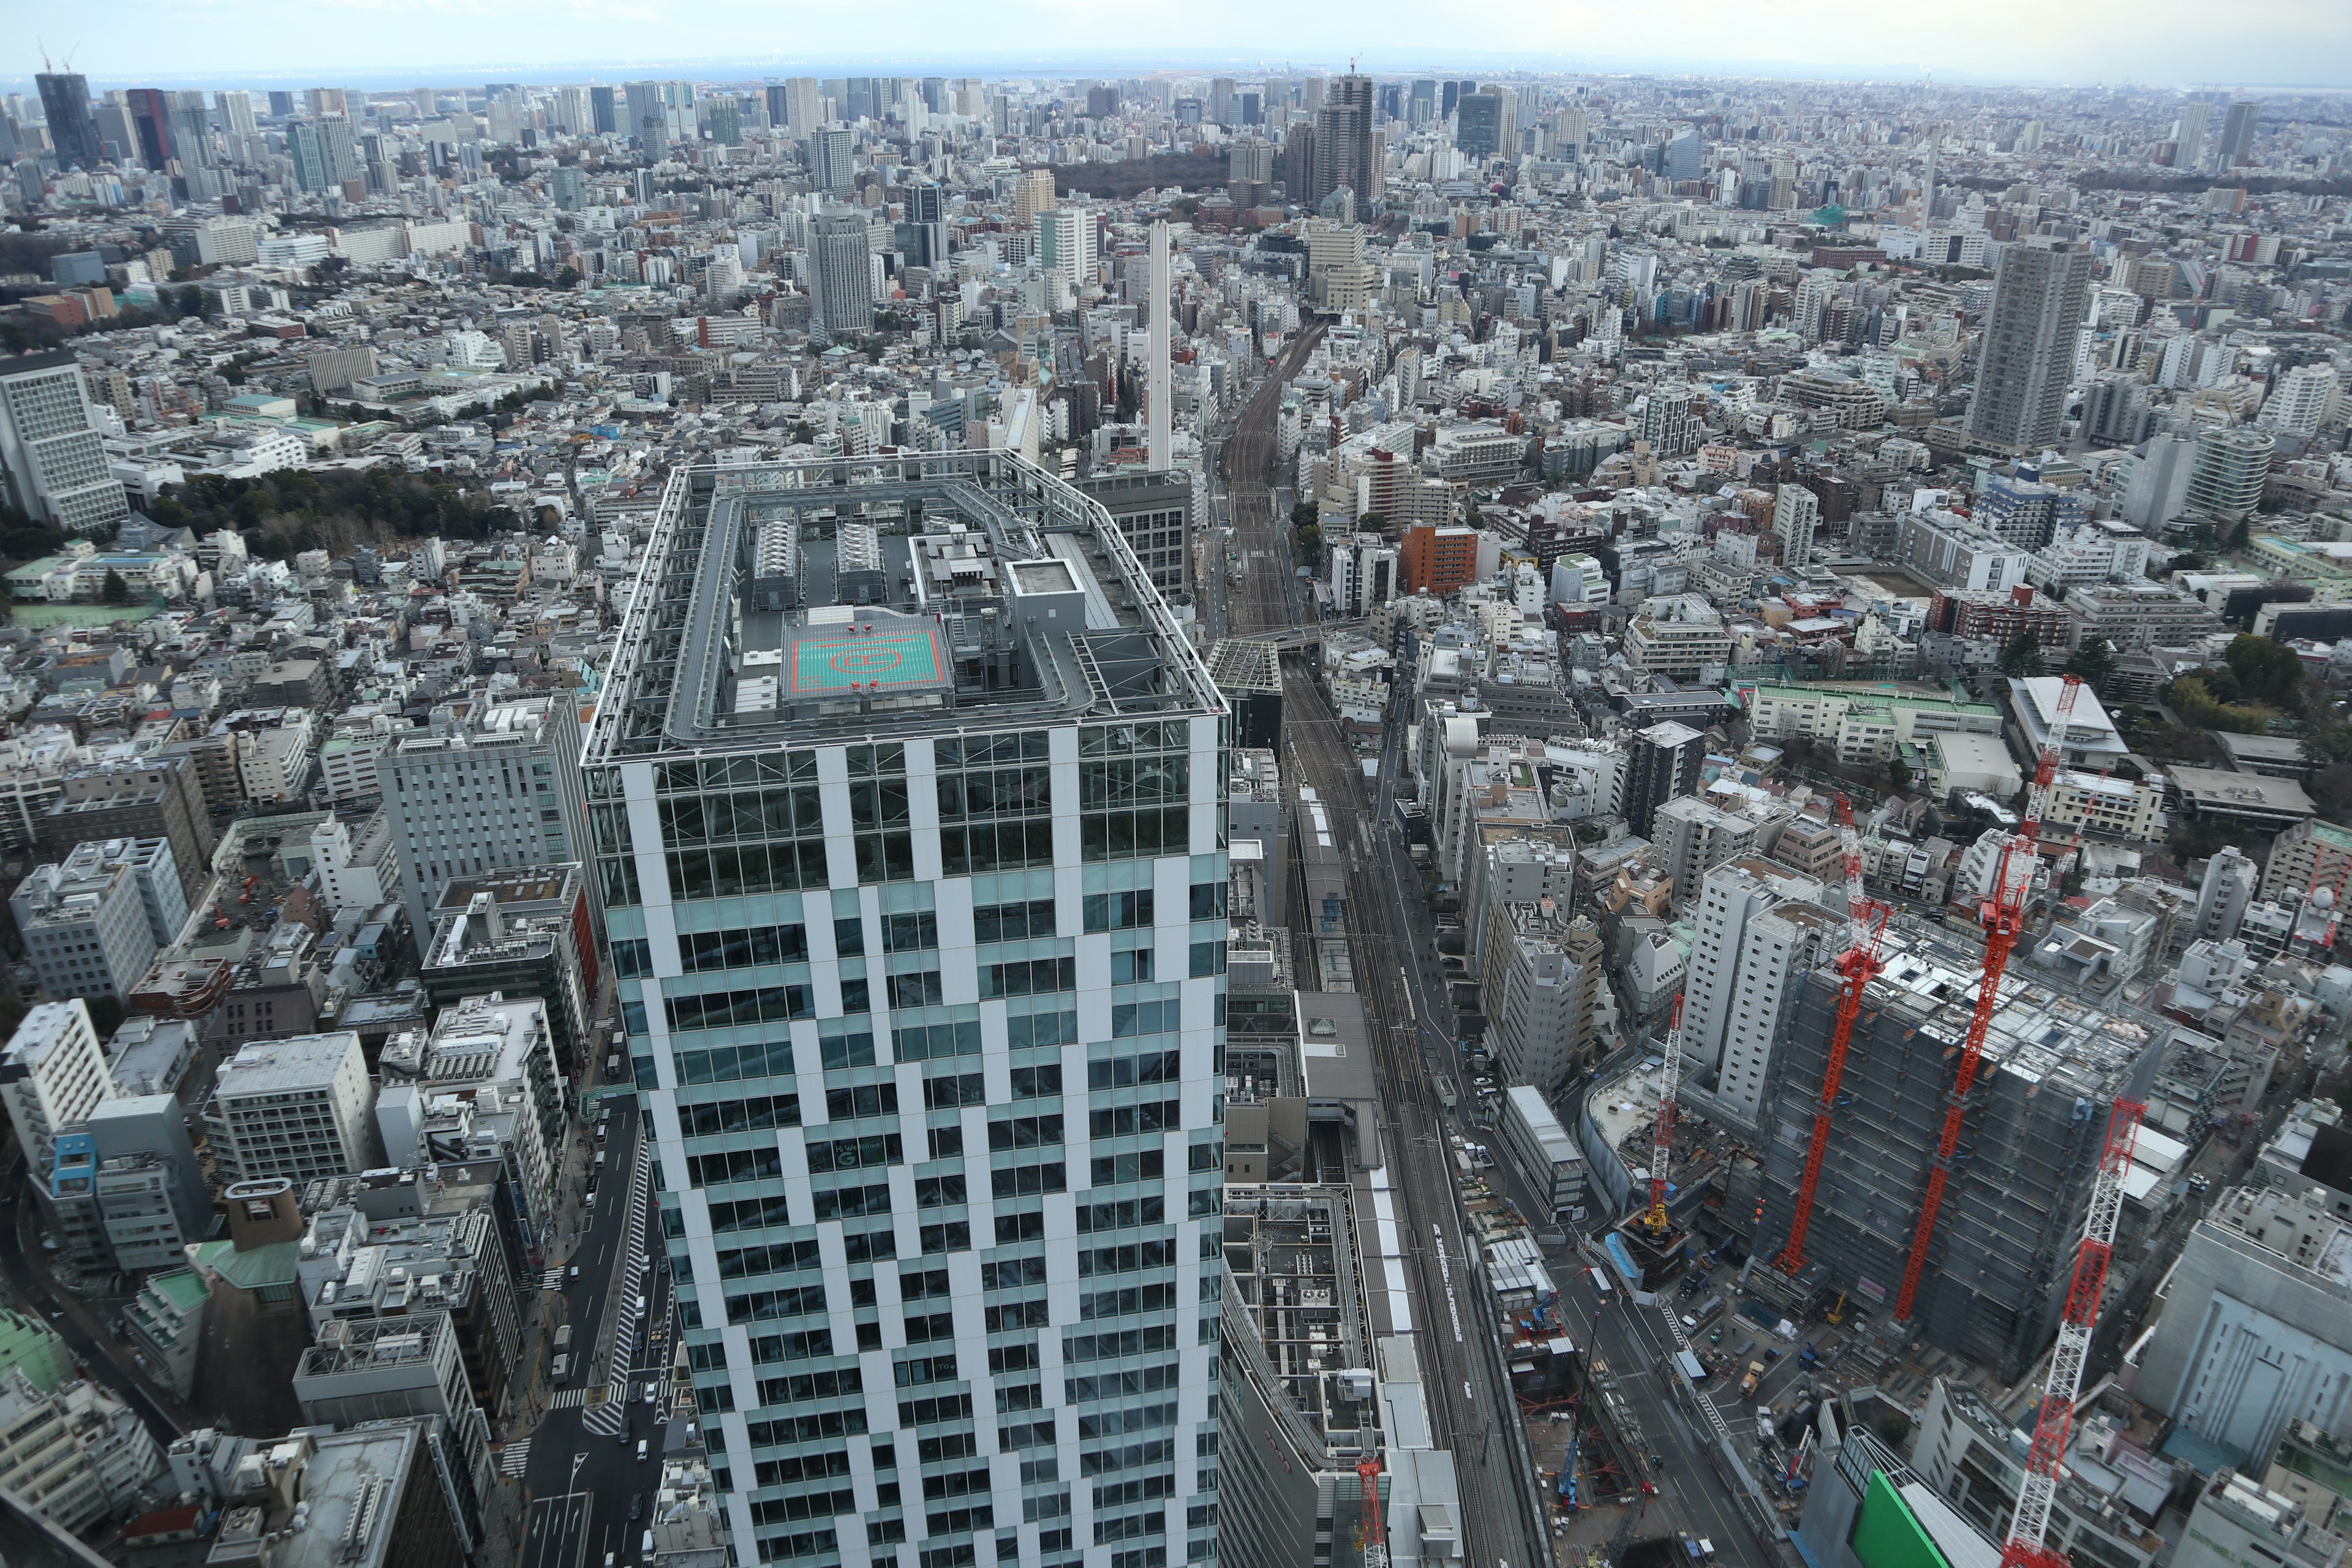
2041 1032
482 1039
906 596
344 1488
298 1063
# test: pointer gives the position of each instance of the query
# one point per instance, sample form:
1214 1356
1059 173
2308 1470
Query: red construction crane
1857 966
2004 912
1375 1527
2026 1547
1661 1142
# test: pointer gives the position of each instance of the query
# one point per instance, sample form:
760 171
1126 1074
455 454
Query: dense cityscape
1605 818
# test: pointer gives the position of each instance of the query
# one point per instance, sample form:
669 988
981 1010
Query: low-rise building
298 1108
485 1085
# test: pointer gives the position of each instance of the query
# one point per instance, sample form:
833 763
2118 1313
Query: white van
641 1450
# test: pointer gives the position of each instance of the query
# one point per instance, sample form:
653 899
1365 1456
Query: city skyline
2080 45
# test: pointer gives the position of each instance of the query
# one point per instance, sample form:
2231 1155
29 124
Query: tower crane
1376 1527
1857 966
2026 1546
2004 912
1661 1142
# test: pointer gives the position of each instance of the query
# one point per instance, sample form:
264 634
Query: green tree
2022 657
1898 774
2095 661
115 591
2265 671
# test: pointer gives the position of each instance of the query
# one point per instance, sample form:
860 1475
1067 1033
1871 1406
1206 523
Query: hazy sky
444 42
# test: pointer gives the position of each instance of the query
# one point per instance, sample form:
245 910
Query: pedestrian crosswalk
605 1418
551 1279
517 1456
569 1398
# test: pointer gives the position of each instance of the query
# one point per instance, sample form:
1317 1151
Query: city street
580 1469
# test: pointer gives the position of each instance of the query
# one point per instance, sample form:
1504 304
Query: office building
483 1084
1066 240
295 1109
1349 152
497 789
52 1075
1478 125
2026 353
390 1494
2188 134
73 133
605 108
1864 1502
1796 517
149 1188
1664 762
2237 1521
84 925
1543 987
1969 1457
2237 143
369 1238
365 1369
521 934
1154 513
136 799
52 463
2255 1333
804 107
840 282
1545 1153
2052 1065
981 1029
831 166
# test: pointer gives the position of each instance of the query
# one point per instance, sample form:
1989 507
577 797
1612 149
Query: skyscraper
2188 134
1348 151
1032 193
236 116
2026 355
804 109
308 155
2237 143
1065 242
937 912
51 462
65 101
924 234
831 167
603 106
840 269
1477 129
151 122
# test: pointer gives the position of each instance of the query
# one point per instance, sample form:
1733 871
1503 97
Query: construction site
1993 1276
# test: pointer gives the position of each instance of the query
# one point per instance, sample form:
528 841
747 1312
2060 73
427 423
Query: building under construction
1997 1262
